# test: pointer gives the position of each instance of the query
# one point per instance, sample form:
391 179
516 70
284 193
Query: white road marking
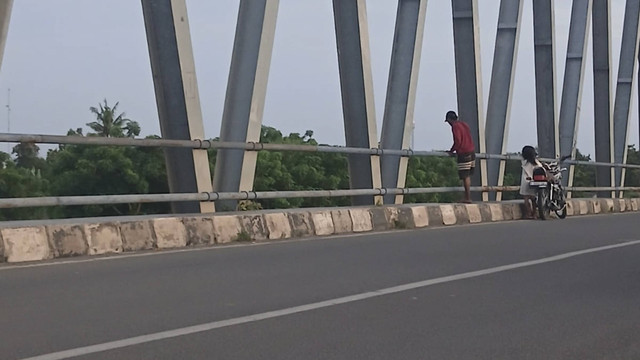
308 307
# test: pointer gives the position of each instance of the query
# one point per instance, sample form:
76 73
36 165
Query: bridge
379 279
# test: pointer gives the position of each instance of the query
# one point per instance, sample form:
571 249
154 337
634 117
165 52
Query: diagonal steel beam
401 93
500 91
466 40
354 62
544 45
603 119
177 98
5 19
572 84
246 92
626 71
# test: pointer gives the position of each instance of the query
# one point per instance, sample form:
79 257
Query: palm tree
109 124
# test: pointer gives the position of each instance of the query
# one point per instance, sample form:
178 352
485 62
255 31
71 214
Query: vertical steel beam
572 84
466 38
502 74
177 98
5 18
354 62
397 125
246 92
626 71
602 93
543 39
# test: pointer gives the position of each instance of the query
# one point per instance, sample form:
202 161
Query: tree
18 182
109 124
27 156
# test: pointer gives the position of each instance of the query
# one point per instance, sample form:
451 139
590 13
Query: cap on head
451 116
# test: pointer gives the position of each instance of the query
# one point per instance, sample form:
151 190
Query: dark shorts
466 165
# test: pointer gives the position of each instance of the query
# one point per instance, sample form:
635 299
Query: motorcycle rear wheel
543 204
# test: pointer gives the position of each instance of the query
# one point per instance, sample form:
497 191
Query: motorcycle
550 195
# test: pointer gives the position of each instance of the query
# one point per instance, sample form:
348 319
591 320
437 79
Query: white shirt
527 175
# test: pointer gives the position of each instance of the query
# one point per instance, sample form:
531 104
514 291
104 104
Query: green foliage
296 171
16 182
432 172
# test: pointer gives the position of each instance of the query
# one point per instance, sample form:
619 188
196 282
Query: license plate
538 184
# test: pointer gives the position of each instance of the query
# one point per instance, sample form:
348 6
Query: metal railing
256 195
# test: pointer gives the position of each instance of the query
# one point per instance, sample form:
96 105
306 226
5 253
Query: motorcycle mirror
563 169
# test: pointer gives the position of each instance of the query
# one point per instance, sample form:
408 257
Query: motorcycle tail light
539 178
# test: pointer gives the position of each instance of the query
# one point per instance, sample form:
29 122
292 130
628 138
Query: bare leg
467 189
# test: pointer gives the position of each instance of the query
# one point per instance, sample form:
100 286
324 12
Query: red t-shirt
462 140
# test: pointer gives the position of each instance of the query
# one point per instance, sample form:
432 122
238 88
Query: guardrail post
354 62
397 125
626 71
572 84
5 19
500 91
177 98
602 93
245 98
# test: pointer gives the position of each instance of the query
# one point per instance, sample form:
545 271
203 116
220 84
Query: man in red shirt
465 151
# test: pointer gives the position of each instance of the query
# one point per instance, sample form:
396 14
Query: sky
65 56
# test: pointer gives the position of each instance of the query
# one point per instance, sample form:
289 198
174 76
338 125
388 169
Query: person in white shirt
529 162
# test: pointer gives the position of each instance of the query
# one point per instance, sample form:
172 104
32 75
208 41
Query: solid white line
308 307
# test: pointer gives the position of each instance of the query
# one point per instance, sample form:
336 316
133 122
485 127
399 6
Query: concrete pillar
397 125
502 74
177 98
466 38
246 92
354 62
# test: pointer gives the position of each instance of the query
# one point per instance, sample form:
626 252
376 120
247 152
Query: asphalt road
565 289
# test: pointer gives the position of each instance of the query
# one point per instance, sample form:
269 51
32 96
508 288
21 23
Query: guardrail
256 195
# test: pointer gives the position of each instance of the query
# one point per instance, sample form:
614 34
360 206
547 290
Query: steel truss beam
246 92
5 19
177 98
398 120
500 91
626 71
466 40
354 62
544 45
603 120
573 79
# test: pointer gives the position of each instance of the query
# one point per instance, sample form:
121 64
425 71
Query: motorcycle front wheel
543 204
562 203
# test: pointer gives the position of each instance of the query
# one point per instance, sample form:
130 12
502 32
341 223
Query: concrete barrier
323 223
278 226
103 238
420 216
26 244
67 240
170 233
137 235
33 242
361 219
